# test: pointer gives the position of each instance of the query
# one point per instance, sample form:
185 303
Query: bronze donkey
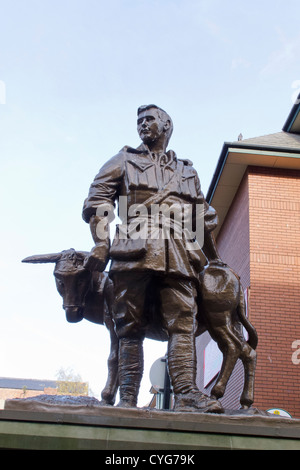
90 295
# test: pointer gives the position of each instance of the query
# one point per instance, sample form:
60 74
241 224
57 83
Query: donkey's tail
241 311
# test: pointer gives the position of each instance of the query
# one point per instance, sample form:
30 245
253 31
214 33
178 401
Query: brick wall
260 240
8 393
274 215
233 238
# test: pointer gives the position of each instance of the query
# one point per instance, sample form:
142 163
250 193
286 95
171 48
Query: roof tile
279 140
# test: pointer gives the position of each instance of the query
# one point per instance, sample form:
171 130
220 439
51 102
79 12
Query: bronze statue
160 284
89 296
147 176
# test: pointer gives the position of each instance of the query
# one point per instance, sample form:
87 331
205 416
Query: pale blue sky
75 72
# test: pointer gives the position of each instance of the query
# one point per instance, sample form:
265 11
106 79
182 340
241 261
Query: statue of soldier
152 262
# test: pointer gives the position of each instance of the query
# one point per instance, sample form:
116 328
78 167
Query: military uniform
163 266
137 174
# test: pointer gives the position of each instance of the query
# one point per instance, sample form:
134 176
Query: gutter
239 145
292 116
218 172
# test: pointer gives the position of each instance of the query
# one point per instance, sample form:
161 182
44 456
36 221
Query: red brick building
25 388
256 191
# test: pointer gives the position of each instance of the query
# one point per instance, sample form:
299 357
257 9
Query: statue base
87 405
66 422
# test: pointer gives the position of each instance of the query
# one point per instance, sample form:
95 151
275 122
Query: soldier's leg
129 291
179 313
179 308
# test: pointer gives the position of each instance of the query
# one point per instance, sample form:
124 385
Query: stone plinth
81 423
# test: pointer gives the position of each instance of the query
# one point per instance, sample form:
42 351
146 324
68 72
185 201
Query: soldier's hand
97 259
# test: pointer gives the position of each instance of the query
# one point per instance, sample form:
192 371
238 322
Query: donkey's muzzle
74 314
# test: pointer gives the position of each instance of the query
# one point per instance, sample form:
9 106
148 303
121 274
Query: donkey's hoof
105 403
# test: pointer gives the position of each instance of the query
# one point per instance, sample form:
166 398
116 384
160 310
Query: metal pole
167 388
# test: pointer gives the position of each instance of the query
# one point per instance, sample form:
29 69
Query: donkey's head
72 279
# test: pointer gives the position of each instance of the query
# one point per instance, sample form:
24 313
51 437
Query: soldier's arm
98 210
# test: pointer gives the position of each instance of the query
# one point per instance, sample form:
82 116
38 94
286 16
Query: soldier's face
149 126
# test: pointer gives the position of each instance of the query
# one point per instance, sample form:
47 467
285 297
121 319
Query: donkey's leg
230 347
109 392
249 362
230 357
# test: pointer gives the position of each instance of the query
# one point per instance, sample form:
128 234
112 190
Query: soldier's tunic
140 175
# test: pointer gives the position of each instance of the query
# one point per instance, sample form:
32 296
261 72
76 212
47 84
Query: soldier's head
153 123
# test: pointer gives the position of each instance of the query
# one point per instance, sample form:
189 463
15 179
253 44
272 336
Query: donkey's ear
47 258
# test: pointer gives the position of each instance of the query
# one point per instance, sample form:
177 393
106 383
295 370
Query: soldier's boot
182 370
131 364
196 401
